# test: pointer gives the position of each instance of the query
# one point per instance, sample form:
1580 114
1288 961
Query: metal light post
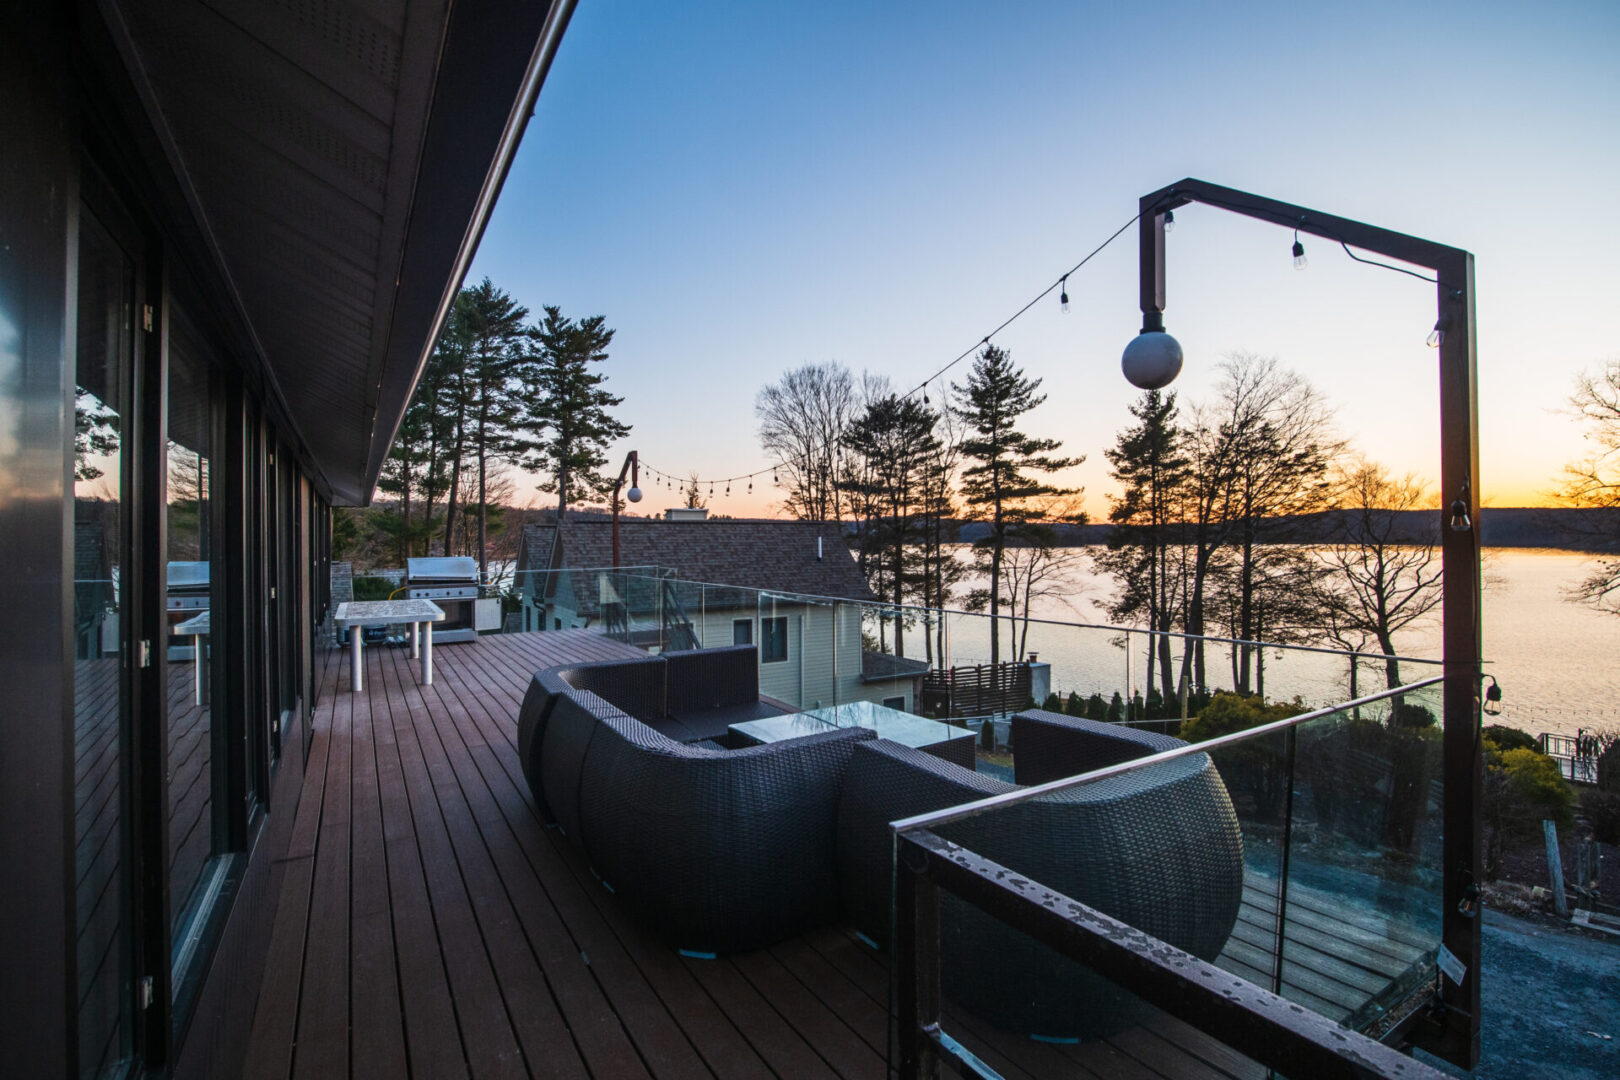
1153 359
632 465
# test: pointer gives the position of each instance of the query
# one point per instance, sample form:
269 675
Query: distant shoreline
1584 531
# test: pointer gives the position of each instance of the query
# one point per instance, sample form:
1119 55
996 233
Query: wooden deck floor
430 926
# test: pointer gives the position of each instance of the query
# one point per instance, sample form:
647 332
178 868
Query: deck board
429 924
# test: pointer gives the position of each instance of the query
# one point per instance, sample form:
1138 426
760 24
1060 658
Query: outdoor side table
358 614
195 628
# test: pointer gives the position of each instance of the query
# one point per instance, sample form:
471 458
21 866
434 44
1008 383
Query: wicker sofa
1159 849
715 850
688 696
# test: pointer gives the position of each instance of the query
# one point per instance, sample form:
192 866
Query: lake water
1558 663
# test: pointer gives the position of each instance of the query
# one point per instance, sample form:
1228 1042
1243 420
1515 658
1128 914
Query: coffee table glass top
892 724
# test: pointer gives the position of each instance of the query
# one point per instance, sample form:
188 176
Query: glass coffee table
952 744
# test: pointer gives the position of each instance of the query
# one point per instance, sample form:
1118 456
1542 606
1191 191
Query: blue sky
745 187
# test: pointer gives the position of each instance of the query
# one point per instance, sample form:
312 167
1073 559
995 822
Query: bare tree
1594 481
1036 567
1380 581
941 570
802 418
1278 445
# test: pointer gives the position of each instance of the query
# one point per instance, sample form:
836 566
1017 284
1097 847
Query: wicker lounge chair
716 850
1158 848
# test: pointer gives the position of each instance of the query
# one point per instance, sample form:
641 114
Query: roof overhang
340 160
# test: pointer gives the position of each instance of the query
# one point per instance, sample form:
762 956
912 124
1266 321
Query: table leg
356 662
427 654
416 651
197 668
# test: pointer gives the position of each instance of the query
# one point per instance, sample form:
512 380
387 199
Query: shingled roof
779 556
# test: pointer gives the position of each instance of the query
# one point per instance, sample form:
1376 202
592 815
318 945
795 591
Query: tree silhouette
1001 478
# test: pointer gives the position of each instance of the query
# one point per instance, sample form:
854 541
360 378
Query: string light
1169 221
1063 297
1437 336
1009 320
1300 261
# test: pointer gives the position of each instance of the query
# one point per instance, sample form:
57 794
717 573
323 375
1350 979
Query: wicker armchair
1050 746
717 851
1158 848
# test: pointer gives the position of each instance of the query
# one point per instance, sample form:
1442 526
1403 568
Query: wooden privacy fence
977 689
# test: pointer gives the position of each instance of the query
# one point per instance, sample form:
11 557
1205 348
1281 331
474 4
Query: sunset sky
743 188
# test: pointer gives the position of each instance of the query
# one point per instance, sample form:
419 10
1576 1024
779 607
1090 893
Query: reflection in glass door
195 574
105 355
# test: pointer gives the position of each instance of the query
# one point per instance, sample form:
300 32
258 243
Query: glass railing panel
1163 848
1302 857
1045 1015
1363 884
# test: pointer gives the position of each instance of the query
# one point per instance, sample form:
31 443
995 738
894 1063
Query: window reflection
100 741
191 589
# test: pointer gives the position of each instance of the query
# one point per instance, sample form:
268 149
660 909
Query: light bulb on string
1169 221
1437 336
1300 261
1063 295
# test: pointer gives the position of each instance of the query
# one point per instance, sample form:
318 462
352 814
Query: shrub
1410 716
1053 703
1522 787
1116 709
1602 809
1227 713
1074 706
1257 769
1510 738
1608 766
1096 707
371 587
1536 784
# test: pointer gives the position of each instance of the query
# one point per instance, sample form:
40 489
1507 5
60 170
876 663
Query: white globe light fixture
1152 360
634 494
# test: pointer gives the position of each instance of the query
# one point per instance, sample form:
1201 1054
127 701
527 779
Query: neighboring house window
895 703
742 631
773 639
558 622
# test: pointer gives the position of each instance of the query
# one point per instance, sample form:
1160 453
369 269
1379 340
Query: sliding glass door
103 361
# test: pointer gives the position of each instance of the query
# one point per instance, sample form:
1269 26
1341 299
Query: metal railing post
916 962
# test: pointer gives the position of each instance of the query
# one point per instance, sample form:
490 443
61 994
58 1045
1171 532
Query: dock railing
1339 924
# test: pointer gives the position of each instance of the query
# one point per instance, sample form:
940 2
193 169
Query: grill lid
187 575
460 568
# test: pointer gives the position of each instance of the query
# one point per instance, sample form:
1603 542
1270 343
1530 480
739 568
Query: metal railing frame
1251 1019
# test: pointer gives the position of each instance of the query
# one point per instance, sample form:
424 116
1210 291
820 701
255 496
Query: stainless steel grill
188 587
452 583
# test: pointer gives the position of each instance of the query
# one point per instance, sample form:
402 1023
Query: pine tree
567 396
490 329
894 441
999 481
1148 463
